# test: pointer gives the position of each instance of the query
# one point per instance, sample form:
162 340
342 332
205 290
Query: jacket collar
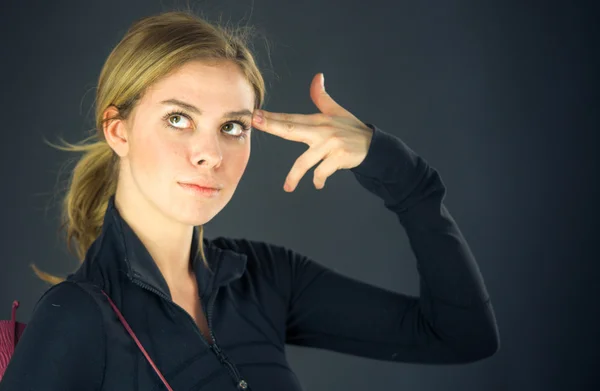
226 265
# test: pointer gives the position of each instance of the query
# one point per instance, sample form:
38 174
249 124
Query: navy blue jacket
261 297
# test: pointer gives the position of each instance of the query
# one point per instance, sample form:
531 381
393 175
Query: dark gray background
499 96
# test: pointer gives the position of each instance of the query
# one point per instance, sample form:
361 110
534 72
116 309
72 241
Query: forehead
213 87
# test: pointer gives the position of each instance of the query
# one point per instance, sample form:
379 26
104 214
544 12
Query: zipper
153 290
240 383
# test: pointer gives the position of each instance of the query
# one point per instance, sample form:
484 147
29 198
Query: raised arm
451 321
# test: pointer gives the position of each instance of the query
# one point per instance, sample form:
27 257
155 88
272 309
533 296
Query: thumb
324 102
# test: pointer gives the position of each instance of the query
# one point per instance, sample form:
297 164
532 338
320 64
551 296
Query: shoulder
261 255
67 294
282 266
67 306
63 346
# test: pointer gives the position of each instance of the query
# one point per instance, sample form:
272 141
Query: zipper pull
242 385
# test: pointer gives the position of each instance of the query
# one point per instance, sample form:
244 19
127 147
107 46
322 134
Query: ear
115 132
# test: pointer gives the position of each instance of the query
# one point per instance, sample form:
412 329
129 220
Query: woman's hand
335 136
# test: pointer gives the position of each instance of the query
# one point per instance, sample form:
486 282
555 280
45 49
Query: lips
203 184
200 191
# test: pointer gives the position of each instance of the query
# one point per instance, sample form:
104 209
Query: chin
193 210
197 217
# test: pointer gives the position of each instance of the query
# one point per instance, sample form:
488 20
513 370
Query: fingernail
258 116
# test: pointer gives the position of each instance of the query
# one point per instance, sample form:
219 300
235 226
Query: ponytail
92 183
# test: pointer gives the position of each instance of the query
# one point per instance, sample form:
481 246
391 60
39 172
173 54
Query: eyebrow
196 110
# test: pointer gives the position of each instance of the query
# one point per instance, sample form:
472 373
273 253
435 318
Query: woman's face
160 149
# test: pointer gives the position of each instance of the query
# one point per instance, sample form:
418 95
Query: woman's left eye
245 127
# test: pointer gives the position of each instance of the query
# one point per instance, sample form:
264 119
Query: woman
176 101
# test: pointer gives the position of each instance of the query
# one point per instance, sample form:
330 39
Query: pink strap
130 331
13 315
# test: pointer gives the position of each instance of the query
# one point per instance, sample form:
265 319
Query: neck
167 241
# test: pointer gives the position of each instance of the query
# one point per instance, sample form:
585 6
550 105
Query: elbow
468 334
485 341
475 352
493 342
479 341
485 345
486 349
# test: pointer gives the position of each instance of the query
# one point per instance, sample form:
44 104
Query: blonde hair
153 47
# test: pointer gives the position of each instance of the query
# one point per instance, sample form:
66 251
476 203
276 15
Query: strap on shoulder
95 291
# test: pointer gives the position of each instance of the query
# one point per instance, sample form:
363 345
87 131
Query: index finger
295 127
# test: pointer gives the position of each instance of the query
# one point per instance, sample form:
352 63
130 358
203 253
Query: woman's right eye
176 119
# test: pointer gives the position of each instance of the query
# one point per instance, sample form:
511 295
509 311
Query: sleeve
451 321
62 347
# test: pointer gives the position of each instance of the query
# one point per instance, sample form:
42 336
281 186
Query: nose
207 150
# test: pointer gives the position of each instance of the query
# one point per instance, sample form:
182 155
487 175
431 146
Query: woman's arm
451 321
62 347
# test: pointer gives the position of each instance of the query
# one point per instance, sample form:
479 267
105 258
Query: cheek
154 157
243 160
239 161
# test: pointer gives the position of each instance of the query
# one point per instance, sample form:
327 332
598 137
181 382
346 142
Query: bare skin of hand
335 137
